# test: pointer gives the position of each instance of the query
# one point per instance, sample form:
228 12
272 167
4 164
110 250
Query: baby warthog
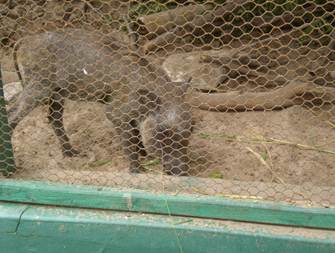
146 108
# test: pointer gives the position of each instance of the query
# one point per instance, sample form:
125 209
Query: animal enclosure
218 98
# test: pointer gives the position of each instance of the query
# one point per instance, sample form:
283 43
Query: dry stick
269 155
326 143
237 51
226 101
252 101
285 142
161 22
329 141
92 7
326 121
330 123
262 41
165 38
260 158
227 64
298 145
263 140
277 99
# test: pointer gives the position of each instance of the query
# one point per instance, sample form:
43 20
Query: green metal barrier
7 163
33 228
55 194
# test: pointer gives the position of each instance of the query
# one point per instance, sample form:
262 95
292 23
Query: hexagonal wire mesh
238 96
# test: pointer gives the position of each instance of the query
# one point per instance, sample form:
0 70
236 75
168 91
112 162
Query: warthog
145 106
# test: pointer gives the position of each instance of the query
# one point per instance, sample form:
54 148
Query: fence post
7 163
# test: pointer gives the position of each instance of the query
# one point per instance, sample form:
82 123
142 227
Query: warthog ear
148 99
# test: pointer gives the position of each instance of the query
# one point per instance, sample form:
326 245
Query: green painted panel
46 229
139 201
9 216
7 164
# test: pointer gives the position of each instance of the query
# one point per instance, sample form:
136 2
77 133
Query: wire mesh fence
232 98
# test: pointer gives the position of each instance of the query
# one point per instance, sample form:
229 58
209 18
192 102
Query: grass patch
99 163
215 174
213 136
263 140
152 162
264 156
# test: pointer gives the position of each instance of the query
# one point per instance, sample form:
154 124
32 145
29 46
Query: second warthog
146 107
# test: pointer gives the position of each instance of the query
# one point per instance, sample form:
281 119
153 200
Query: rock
12 89
180 67
9 77
8 72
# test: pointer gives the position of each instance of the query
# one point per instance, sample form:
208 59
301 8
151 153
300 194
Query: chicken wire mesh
229 98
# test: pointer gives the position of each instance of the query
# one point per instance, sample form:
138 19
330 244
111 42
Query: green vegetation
152 162
213 136
264 156
99 163
215 174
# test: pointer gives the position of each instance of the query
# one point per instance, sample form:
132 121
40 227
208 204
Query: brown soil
267 147
246 146
224 145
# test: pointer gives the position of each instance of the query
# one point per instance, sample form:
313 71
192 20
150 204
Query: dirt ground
286 155
288 146
292 146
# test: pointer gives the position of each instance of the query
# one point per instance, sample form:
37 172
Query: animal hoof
143 152
71 153
177 172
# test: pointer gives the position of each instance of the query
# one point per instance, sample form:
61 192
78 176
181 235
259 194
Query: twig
330 123
326 121
270 141
326 143
270 38
174 228
269 155
298 145
280 98
161 40
94 9
267 166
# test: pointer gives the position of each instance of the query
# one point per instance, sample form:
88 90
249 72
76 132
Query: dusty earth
247 146
291 146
